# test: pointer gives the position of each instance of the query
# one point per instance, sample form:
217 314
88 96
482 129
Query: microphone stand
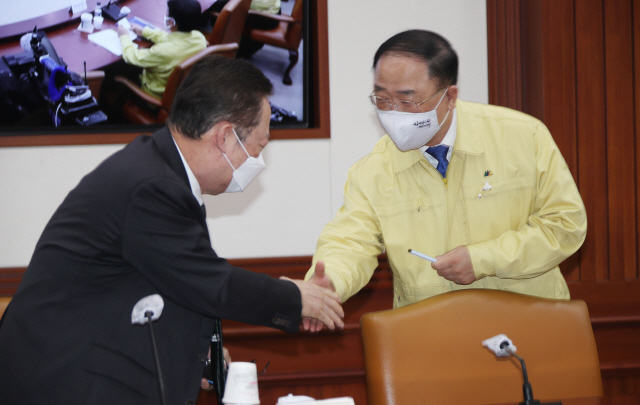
147 310
149 315
527 392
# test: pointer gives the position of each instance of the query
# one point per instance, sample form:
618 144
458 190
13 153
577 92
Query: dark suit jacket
131 228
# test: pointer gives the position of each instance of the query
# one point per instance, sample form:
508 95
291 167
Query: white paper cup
97 22
242 384
85 19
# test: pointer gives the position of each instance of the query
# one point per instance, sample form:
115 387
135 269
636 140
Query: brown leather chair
156 110
4 302
229 23
287 35
431 352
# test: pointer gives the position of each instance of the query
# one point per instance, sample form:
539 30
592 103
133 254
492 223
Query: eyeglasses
385 104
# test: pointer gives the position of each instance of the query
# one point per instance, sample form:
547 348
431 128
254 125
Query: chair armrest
284 17
138 91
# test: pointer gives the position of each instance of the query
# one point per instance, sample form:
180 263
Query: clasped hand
319 279
320 305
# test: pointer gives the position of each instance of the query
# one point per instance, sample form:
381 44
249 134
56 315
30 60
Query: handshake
320 303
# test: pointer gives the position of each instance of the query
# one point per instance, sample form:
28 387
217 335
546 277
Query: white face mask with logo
247 171
411 130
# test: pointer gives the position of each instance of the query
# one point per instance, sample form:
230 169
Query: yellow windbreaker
530 220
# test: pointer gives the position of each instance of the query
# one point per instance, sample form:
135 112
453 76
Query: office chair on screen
229 23
136 111
431 352
287 35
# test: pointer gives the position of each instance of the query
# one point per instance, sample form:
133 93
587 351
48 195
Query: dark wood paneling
620 139
10 278
636 72
591 125
559 88
581 75
503 36
532 56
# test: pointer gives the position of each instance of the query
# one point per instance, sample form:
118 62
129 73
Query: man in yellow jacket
482 188
168 49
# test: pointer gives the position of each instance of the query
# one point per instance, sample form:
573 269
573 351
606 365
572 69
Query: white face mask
411 130
247 171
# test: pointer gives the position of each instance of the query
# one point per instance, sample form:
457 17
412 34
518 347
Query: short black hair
441 58
186 13
217 89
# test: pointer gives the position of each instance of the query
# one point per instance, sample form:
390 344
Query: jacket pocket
505 207
407 294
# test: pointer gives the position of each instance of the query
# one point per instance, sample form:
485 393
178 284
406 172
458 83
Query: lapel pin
486 186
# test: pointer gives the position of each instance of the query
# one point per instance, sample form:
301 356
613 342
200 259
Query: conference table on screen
74 46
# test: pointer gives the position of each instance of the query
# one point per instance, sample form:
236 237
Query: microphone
502 346
147 310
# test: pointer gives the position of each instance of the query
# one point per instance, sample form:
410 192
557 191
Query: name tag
78 7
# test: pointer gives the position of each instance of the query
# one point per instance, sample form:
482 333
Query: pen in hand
431 259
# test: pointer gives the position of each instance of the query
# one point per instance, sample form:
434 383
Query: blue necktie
440 153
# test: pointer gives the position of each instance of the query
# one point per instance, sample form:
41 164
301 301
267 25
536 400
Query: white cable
55 119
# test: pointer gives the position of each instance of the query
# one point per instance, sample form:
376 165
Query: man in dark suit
135 227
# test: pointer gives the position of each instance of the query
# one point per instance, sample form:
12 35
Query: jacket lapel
169 152
167 148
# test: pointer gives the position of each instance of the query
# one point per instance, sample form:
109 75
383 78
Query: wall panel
580 63
591 125
620 138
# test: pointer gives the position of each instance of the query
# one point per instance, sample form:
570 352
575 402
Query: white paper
108 39
125 23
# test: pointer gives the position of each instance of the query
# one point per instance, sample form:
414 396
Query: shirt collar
448 139
463 137
193 182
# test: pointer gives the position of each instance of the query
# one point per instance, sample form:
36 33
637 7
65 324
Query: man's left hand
456 266
204 384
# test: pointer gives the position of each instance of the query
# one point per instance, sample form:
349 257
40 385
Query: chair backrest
431 351
4 302
229 23
181 70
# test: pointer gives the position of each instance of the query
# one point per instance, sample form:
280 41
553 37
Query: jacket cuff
482 259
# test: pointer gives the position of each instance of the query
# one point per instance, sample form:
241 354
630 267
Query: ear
220 136
452 96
